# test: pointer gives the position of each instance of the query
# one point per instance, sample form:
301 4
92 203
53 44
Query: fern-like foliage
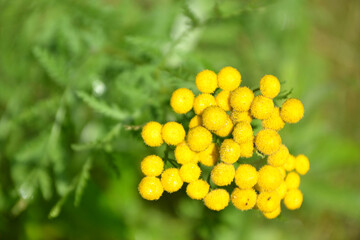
54 67
83 179
102 107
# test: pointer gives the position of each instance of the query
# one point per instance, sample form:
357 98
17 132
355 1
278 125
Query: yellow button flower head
206 81
282 171
292 180
197 189
292 110
279 158
293 199
182 100
152 165
241 99
223 100
190 172
302 164
151 134
214 118
195 121
243 132
217 199
173 133
226 129
150 188
198 138
269 178
183 154
237 116
290 163
171 180
282 190
229 78
246 149
203 101
273 214
243 199
246 176
223 174
210 156
269 86
229 151
274 121
262 107
268 141
268 201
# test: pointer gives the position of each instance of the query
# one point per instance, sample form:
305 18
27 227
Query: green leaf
83 178
44 181
102 107
114 132
54 67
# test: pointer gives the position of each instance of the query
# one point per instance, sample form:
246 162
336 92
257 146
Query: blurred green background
78 78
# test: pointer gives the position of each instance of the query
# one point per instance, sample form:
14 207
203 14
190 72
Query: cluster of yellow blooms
228 116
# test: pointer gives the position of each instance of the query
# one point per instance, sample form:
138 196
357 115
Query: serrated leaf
83 178
99 142
44 181
102 107
54 67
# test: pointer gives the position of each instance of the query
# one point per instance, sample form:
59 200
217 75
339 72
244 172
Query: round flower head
150 188
237 116
268 201
243 132
206 81
217 199
262 107
223 174
292 180
293 199
241 99
269 86
152 165
282 190
198 138
246 176
171 180
223 100
226 129
210 156
302 164
273 214
229 151
195 121
279 158
190 172
214 118
292 110
282 171
246 149
183 154
269 178
274 121
268 141
229 78
197 189
173 133
290 163
243 199
182 100
203 101
151 134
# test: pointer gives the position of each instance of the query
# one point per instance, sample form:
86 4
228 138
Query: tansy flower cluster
221 138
